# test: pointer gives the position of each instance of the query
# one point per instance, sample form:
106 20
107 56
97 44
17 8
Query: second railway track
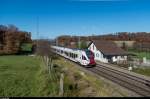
123 79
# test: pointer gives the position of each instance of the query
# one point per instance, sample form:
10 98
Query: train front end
90 56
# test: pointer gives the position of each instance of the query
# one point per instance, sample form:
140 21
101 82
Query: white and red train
83 57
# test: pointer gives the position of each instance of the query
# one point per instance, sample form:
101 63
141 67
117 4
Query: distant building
107 51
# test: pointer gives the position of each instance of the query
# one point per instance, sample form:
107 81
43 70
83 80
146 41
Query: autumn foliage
11 39
142 39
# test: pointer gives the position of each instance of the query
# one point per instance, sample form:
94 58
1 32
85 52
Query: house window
97 55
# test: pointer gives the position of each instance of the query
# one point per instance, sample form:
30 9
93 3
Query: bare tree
44 50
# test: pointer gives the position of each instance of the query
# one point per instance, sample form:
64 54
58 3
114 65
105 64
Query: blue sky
76 17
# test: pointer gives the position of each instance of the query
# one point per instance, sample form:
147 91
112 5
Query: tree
43 48
12 28
11 39
82 45
124 46
45 51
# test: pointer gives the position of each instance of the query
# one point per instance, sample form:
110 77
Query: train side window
76 56
70 54
73 55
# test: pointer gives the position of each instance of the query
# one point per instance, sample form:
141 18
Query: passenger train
83 57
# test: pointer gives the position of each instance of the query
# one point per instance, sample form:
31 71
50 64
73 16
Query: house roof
108 47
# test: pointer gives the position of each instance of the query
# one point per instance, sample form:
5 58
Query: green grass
140 54
25 76
143 71
26 47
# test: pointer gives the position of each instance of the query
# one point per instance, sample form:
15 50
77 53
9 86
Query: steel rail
142 80
133 77
121 81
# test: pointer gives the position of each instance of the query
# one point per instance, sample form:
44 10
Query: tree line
126 36
142 39
12 39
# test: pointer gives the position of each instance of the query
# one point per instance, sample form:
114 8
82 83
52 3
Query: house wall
119 58
100 56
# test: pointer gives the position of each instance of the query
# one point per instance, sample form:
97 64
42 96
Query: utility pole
37 26
37 29
56 41
79 42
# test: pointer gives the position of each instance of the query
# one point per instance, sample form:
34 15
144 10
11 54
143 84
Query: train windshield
89 54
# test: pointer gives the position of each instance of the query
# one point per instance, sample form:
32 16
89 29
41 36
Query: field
143 71
24 76
140 54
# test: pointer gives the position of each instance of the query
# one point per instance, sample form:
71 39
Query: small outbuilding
107 51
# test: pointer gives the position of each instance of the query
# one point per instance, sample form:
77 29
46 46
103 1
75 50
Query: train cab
90 56
86 58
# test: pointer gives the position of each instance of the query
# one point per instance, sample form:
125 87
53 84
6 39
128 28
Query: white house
107 51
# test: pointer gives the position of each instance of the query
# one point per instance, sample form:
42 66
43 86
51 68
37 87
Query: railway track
136 84
133 83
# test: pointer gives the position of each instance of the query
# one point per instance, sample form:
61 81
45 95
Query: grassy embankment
81 84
